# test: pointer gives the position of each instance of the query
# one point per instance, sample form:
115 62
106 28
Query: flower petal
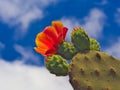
58 26
50 31
40 50
49 40
43 38
44 51
61 30
64 32
44 44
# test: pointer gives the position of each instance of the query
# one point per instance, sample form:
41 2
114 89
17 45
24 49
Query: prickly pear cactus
94 71
89 68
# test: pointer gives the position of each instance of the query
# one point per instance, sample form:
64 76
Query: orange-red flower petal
64 32
44 52
44 44
48 41
61 30
50 31
58 26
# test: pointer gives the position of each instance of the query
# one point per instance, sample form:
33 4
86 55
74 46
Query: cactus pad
66 50
94 45
80 39
94 70
57 65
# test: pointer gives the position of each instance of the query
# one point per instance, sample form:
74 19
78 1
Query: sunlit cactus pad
57 65
94 44
66 50
80 39
94 70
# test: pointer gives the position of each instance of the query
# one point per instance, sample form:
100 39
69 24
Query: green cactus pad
66 50
80 39
57 65
94 70
94 45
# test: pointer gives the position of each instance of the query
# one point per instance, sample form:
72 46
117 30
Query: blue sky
20 21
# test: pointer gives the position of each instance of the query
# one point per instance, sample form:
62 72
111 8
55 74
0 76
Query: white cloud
22 12
27 54
29 16
117 16
17 76
70 23
93 23
114 49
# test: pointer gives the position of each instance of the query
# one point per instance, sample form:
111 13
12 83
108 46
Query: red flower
49 40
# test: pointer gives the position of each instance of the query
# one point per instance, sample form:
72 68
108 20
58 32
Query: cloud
114 49
27 54
22 12
70 23
117 16
17 76
93 23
